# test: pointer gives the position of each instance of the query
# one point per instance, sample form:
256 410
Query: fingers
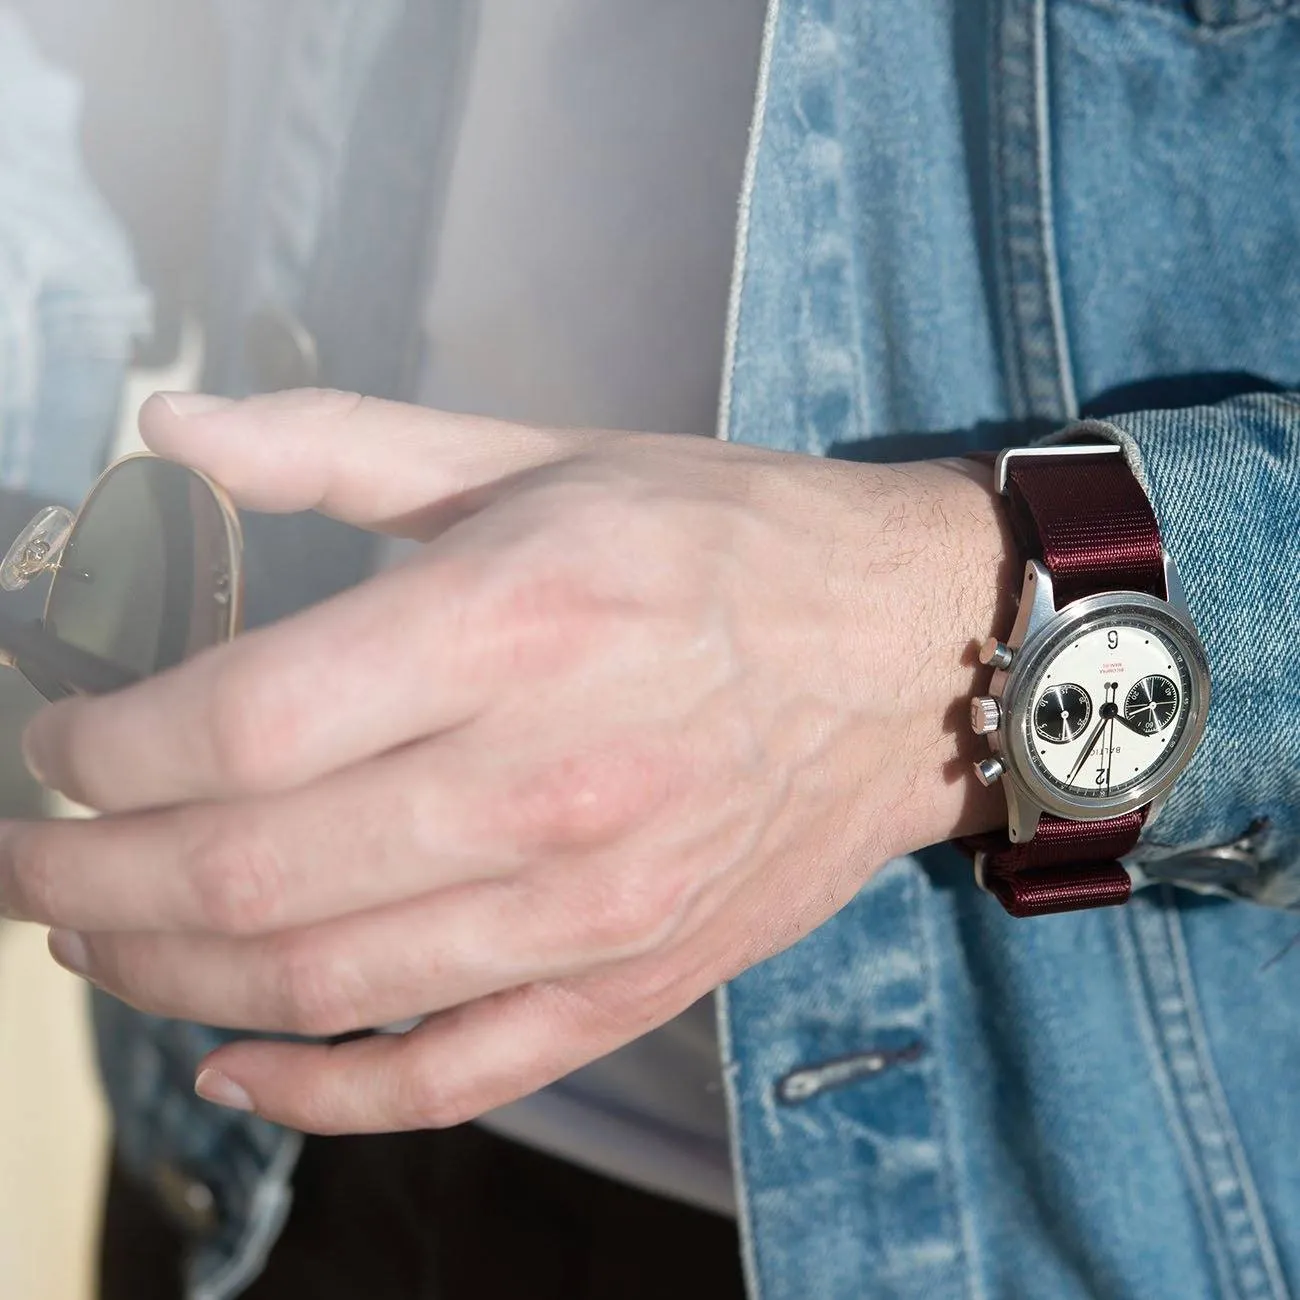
421 819
453 1068
444 950
379 465
326 688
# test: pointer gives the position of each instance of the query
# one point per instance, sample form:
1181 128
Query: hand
642 711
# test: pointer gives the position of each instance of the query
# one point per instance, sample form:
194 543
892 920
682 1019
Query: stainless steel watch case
1039 630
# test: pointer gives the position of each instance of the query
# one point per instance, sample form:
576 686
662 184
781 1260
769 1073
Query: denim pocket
1223 13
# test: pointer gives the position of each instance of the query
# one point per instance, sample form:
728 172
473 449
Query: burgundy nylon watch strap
1066 866
1088 520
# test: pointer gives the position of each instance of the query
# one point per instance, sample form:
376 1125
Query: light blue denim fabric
1014 213
70 306
967 222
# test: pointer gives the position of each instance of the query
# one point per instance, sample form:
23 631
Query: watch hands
1131 725
1087 751
1108 713
1065 716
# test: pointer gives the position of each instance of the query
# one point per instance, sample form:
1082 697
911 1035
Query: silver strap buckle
1000 466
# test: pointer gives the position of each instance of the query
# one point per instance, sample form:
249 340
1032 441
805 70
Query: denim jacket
965 222
69 303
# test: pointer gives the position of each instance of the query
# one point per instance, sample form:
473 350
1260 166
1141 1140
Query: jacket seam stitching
730 1067
744 219
1258 1237
1046 201
731 1088
1036 364
1185 1078
1127 926
958 1213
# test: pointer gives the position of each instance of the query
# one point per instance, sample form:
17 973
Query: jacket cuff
1224 482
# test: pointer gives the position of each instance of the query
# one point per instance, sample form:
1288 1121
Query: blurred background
53 1123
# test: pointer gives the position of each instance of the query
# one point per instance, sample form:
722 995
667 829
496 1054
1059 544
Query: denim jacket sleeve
1225 485
70 301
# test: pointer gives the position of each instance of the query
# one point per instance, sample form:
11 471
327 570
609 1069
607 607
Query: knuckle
313 993
239 881
129 969
253 731
583 801
425 1101
31 891
548 604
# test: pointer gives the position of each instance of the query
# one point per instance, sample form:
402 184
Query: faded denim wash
932 1099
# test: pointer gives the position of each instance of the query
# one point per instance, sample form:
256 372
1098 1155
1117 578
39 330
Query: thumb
376 464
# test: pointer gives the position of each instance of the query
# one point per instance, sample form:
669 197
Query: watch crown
988 771
985 714
996 654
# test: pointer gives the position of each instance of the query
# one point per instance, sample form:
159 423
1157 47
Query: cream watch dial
1108 708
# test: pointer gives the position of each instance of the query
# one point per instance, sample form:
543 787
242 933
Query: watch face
1109 704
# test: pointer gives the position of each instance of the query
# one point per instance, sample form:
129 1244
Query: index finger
385 466
278 707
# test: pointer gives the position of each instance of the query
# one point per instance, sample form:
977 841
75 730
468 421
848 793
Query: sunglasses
144 575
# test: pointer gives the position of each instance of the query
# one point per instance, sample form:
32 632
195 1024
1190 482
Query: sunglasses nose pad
37 548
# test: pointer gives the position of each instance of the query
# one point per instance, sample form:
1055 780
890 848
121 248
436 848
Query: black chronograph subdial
1062 713
1151 705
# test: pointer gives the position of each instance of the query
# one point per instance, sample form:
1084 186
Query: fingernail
69 949
213 1086
188 405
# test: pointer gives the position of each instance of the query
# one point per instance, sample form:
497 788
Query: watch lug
1174 587
1022 816
1037 607
1037 604
1153 809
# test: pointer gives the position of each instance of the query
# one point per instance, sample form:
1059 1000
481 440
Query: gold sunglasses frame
231 543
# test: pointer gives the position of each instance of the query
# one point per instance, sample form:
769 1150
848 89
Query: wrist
958 567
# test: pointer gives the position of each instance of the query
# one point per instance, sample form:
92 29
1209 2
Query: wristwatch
1099 695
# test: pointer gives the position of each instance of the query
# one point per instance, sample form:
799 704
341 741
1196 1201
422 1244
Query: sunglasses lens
147 577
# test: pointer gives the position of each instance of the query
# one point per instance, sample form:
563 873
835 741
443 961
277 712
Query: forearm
957 570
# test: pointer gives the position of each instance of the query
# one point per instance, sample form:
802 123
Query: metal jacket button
189 1202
